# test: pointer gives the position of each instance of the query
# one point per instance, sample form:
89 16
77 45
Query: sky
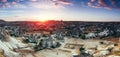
67 10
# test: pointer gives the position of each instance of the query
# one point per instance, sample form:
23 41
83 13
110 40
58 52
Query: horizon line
57 20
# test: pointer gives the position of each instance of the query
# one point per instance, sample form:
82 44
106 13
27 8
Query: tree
82 36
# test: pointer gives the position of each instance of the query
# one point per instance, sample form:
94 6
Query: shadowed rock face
47 43
4 36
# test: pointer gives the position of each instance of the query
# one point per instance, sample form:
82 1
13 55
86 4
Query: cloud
57 4
63 2
90 4
3 1
102 3
11 4
49 4
5 11
41 4
33 0
107 4
45 4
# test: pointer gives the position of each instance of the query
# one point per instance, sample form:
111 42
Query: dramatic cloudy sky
69 10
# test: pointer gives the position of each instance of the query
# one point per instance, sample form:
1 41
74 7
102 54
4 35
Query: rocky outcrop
47 43
1 53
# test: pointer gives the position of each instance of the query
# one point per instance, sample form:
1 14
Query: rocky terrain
36 39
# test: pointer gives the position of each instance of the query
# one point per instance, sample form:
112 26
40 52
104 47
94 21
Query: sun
46 17
43 20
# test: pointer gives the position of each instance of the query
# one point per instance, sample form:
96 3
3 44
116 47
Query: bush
82 36
26 41
115 44
101 42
